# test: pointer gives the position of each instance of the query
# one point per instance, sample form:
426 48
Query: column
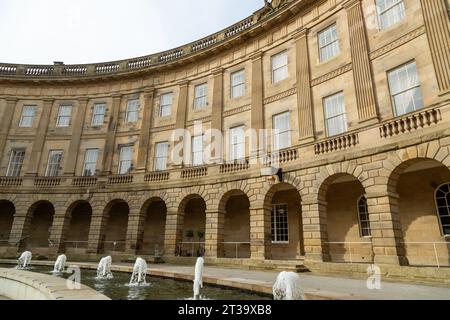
135 228
181 116
97 230
214 235
111 136
20 227
144 139
315 232
60 226
39 140
77 131
257 112
174 231
437 25
260 233
6 121
304 96
362 71
217 113
386 229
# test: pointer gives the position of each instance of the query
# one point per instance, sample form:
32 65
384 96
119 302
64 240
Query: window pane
364 217
281 131
405 89
280 67
390 12
27 117
237 143
98 118
328 43
336 120
197 150
200 98
54 163
162 151
90 162
125 162
280 223
15 163
443 207
132 111
64 114
166 105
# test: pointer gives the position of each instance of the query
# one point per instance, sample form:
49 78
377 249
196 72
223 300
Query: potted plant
189 234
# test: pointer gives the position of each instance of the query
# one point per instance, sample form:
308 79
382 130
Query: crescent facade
333 119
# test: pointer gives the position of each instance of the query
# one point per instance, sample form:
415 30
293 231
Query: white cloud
85 31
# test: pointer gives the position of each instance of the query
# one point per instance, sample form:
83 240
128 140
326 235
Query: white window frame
63 120
237 148
380 13
443 226
275 224
325 53
51 171
194 151
96 115
342 115
237 89
15 163
361 220
284 68
123 162
201 101
93 163
412 89
164 106
161 158
277 143
30 118
133 108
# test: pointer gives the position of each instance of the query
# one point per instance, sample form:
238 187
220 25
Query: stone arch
38 224
231 188
289 178
7 213
191 222
338 198
411 188
152 225
77 223
233 224
116 213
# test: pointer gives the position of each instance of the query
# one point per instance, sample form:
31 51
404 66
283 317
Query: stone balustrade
10 181
235 166
280 157
47 181
84 181
122 179
194 172
410 123
339 143
157 176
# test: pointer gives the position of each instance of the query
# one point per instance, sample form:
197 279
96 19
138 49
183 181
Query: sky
87 31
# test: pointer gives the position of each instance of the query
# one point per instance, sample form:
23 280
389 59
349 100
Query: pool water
157 288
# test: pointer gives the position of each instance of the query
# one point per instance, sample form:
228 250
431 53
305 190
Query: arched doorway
78 231
151 240
416 183
284 202
115 235
349 232
38 236
235 206
7 211
192 212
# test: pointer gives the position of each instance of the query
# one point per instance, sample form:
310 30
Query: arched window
443 207
363 214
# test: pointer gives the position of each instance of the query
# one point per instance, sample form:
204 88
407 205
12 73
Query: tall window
98 117
132 114
279 67
90 162
15 163
280 225
200 96
443 207
328 43
237 84
165 107
405 89
54 163
126 159
390 12
282 131
27 117
64 114
237 143
162 152
363 212
197 150
335 117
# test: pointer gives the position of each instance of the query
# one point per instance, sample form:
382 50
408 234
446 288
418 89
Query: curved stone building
350 103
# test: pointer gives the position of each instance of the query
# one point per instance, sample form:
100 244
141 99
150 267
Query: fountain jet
287 287
104 268
139 273
24 260
60 264
198 279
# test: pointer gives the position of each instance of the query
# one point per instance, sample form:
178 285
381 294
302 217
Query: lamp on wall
274 175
